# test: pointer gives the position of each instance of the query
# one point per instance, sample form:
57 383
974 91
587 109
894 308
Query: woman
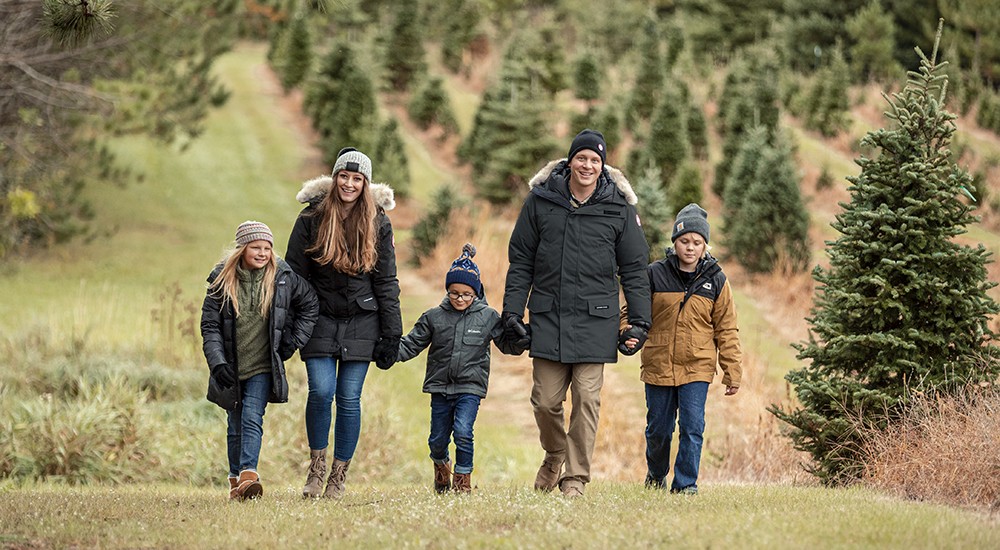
342 243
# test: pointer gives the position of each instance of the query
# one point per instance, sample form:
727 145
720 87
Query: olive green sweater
252 346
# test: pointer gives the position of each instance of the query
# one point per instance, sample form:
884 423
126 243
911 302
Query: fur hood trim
315 189
619 179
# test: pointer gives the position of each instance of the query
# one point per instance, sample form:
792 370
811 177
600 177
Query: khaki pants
548 392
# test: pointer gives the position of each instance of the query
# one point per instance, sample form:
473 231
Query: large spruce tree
404 52
903 306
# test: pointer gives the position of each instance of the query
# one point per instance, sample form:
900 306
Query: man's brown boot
338 475
442 477
317 471
548 473
463 483
571 487
233 483
248 485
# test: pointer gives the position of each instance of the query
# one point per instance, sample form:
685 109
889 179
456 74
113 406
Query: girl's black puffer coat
355 310
290 322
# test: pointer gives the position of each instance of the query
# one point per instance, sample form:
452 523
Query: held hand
731 390
223 375
386 352
515 331
631 339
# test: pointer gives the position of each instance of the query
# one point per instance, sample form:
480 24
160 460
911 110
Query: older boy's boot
547 477
442 477
338 476
317 471
248 485
463 483
233 483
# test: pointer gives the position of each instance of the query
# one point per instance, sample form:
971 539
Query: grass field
119 312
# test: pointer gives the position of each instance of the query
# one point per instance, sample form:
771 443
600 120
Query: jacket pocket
367 303
602 308
539 303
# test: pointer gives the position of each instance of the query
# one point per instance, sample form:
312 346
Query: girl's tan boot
317 471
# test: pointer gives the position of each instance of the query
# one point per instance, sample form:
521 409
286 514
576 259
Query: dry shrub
944 449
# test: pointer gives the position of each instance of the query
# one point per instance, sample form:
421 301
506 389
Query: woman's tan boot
338 476
317 471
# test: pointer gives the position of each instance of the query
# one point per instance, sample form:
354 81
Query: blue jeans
453 414
327 380
246 424
686 404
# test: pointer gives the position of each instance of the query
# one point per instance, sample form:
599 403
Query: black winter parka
566 263
355 310
293 313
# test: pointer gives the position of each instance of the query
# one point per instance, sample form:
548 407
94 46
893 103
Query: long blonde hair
226 285
346 236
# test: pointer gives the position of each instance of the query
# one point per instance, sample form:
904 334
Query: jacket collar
556 172
314 190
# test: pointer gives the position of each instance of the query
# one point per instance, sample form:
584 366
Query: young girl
256 313
342 243
459 331
694 329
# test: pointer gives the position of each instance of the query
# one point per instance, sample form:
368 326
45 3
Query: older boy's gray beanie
691 219
352 160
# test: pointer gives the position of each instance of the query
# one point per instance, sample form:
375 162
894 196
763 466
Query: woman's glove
386 352
223 375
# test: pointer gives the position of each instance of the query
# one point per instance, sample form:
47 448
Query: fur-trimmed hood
616 175
315 189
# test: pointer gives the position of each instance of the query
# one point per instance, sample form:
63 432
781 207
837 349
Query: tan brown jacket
694 327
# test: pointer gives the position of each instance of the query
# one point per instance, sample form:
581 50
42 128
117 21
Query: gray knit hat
691 219
352 160
250 231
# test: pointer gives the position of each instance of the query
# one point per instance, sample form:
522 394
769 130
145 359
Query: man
577 234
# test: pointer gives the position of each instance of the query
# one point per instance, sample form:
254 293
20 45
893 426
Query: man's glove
634 331
515 331
223 375
386 352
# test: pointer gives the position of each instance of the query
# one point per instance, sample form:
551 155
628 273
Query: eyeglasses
467 296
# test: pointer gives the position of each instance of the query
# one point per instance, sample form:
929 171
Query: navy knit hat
691 219
589 139
465 271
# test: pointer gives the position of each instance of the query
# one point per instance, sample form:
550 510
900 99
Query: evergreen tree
685 187
296 53
404 52
697 131
341 102
903 307
434 223
749 99
771 224
675 44
667 146
649 79
812 28
872 32
828 104
587 76
545 65
390 158
461 28
653 210
430 105
742 176
717 27
323 89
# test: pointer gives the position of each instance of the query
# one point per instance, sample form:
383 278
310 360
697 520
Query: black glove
386 352
515 331
223 375
635 331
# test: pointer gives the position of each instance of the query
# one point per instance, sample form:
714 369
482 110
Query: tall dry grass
945 449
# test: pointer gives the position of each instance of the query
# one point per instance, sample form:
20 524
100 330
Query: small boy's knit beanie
589 139
352 160
250 231
464 270
691 219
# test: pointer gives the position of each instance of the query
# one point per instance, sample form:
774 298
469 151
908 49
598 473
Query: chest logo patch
707 286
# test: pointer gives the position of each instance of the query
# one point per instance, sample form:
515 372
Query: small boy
459 331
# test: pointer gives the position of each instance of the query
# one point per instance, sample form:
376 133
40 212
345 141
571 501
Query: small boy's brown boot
442 477
463 483
248 485
338 476
317 471
233 483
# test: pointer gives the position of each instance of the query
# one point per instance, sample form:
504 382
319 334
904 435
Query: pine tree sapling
903 307
404 52
295 52
685 188
434 223
393 166
587 77
653 209
430 105
667 145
